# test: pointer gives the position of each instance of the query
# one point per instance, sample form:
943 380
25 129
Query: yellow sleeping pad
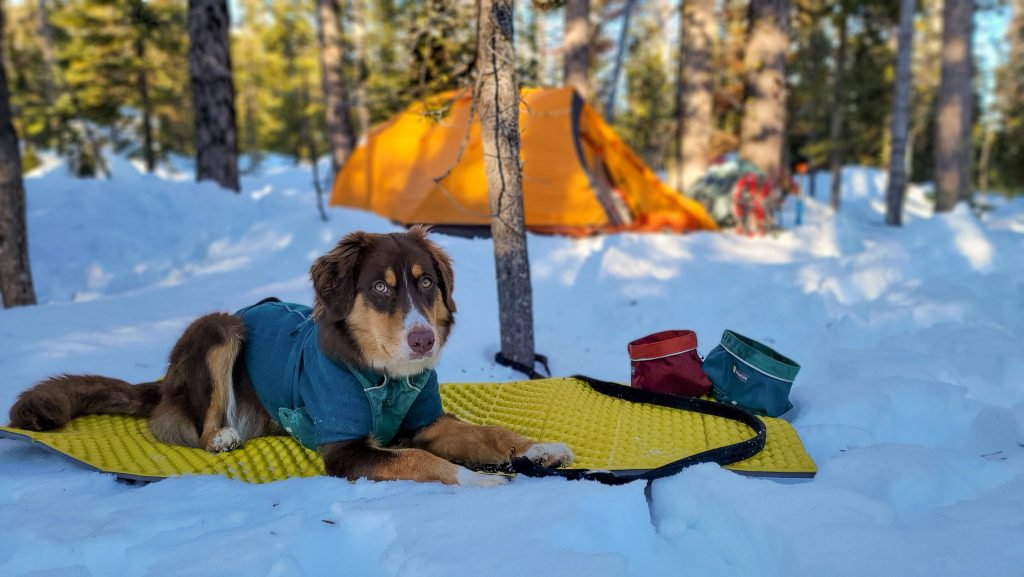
606 433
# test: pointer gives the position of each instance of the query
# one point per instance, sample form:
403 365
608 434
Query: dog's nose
421 341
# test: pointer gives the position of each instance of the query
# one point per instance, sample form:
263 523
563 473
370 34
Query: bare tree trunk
620 52
15 273
764 111
332 68
148 153
900 116
694 91
213 93
954 107
499 122
576 47
309 139
835 124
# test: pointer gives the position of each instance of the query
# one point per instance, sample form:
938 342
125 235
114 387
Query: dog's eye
380 286
425 282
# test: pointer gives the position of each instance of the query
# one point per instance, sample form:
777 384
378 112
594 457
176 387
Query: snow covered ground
911 396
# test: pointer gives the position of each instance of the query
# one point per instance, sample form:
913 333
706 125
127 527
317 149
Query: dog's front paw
467 478
550 454
226 439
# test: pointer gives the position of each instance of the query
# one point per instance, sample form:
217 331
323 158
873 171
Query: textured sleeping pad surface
604 432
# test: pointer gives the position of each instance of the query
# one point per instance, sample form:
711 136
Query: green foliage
96 81
649 92
867 80
869 83
35 119
277 78
810 89
1007 162
29 159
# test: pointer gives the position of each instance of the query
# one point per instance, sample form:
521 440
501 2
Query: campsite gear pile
579 177
618 434
739 371
737 193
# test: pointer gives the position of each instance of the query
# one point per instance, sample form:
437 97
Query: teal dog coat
316 399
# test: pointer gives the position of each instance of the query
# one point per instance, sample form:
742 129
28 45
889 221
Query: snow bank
911 396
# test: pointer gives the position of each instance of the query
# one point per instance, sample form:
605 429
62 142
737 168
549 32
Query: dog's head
384 301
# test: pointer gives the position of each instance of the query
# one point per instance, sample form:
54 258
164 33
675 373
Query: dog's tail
55 401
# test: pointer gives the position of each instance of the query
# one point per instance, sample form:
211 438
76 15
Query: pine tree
385 83
144 21
954 107
499 121
15 273
166 49
66 83
255 97
443 48
37 122
213 95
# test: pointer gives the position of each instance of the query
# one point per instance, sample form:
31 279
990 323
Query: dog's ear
334 274
442 262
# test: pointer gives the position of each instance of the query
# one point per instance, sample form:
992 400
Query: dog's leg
363 458
219 433
455 440
197 393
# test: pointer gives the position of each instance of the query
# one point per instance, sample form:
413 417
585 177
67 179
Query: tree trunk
499 122
835 124
213 94
764 110
900 116
309 140
332 75
954 107
358 20
620 52
15 273
576 46
142 83
694 91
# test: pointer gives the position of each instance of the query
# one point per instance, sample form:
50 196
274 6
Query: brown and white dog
382 302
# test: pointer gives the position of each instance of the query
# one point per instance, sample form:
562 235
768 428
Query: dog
352 377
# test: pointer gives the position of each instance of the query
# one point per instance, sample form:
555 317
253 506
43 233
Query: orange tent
578 175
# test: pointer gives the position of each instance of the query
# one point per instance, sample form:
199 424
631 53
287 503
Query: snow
910 399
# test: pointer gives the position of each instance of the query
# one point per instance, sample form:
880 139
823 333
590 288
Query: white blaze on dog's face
401 310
